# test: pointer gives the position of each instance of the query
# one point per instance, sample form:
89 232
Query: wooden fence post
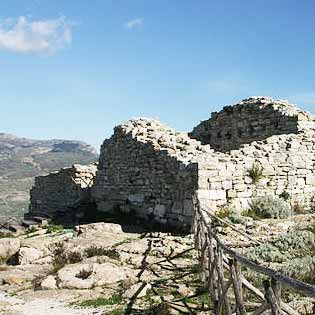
273 298
237 284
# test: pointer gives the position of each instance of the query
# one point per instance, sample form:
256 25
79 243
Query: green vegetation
99 302
292 252
62 258
101 251
54 228
6 235
84 274
116 311
285 196
300 268
256 173
265 253
31 230
223 213
269 207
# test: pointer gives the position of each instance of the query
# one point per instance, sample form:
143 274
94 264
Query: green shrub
265 253
285 246
300 268
299 243
61 257
270 207
256 173
223 213
73 257
54 229
285 196
101 251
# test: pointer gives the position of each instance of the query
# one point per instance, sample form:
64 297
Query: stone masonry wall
151 171
253 119
62 193
147 169
288 163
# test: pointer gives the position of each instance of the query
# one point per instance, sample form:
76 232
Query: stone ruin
63 195
151 171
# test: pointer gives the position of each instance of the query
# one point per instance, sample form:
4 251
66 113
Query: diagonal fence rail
225 276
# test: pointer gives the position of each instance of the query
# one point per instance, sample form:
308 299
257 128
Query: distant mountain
22 159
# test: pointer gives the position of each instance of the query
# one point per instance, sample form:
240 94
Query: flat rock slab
101 274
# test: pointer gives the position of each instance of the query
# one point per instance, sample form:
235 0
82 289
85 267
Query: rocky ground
104 268
99 269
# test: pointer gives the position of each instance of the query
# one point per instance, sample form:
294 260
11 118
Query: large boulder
87 276
8 248
29 255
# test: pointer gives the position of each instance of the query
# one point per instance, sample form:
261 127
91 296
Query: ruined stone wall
147 169
62 193
253 119
288 163
151 171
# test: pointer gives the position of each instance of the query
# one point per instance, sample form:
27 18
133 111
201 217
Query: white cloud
134 23
43 37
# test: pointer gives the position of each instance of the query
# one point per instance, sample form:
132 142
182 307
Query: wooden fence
224 272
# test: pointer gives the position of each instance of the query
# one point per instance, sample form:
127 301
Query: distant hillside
22 159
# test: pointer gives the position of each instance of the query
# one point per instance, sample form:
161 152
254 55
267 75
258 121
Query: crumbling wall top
163 138
283 106
254 118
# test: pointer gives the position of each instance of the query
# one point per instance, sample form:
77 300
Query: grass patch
101 251
99 302
84 274
54 229
31 230
6 235
256 173
62 258
117 311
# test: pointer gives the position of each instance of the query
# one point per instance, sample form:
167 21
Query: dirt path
38 306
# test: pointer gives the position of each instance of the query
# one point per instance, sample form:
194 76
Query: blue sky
74 69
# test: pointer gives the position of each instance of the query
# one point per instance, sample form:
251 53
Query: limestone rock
100 274
99 227
28 255
49 283
137 290
9 247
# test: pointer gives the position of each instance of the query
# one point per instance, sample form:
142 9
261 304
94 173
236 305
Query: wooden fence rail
231 293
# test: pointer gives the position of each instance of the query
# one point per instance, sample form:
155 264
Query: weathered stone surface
101 274
152 172
49 283
100 227
28 255
137 290
63 195
255 118
9 247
